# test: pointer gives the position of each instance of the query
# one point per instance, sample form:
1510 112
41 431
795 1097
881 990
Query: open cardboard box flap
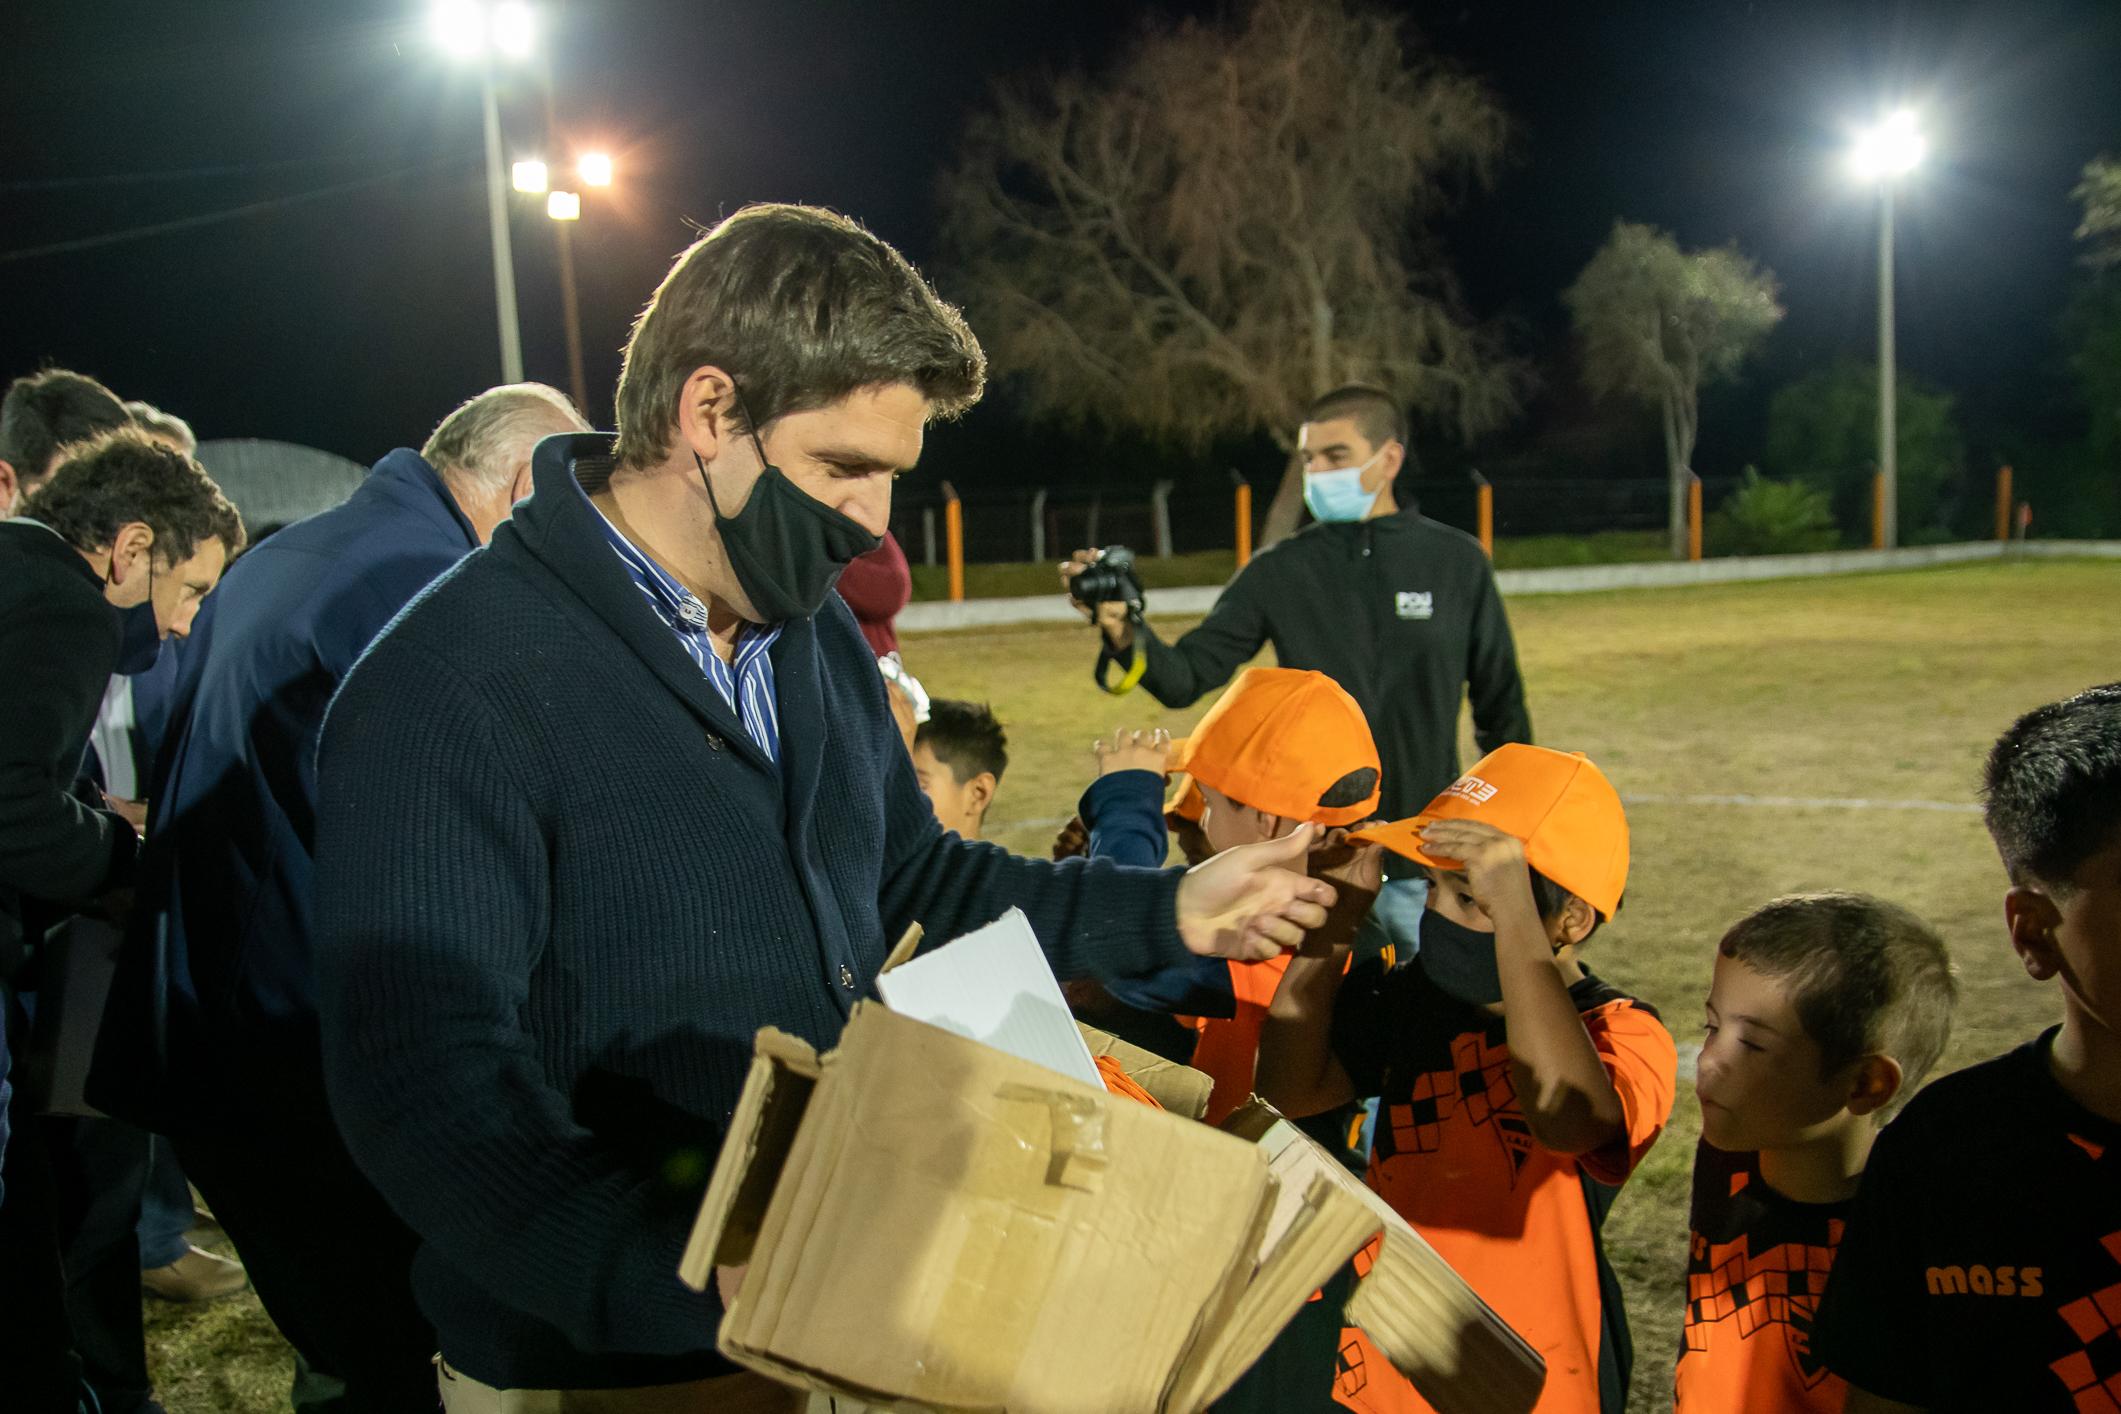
1421 1315
925 1222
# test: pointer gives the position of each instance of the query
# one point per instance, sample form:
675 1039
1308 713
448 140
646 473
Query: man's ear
1873 1082
705 407
10 488
129 550
979 793
1390 458
2032 918
519 485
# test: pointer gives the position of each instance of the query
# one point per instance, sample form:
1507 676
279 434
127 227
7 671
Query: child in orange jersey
1517 1091
1823 1010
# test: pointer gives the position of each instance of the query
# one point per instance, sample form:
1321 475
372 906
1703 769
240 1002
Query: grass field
1849 715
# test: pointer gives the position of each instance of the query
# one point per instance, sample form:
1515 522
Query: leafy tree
1239 215
1823 430
1656 323
2100 195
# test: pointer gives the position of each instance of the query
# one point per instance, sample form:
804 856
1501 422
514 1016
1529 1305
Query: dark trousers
329 1259
70 1265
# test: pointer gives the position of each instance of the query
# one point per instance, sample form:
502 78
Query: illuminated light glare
460 27
514 29
531 177
596 169
564 206
1892 149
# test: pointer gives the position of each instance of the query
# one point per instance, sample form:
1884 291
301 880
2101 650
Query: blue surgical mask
1460 960
1339 495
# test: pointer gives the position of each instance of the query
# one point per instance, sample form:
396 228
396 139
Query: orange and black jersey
1757 1263
1981 1269
1455 1157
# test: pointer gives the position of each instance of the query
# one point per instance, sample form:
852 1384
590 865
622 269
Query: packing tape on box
1078 1145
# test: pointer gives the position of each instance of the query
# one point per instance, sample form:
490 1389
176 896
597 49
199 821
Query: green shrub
1764 517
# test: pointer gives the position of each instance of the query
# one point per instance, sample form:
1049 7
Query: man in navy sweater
623 788
211 1036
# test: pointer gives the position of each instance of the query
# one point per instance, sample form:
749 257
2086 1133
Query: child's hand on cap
1143 750
1493 862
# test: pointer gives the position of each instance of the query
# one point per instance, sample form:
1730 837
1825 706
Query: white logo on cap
1472 788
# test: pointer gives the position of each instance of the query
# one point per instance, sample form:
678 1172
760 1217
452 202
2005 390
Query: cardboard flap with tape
928 1222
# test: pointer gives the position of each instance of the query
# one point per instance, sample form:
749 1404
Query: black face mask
1460 960
140 635
786 547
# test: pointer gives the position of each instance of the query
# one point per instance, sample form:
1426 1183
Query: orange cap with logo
1279 740
1557 803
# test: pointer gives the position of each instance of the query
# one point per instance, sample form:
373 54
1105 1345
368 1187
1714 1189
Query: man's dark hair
801 307
1376 414
45 411
128 476
2052 790
965 737
1866 977
1351 789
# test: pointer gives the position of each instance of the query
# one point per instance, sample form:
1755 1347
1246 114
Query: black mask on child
1460 960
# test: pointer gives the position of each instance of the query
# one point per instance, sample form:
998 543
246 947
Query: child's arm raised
1298 1073
1562 1083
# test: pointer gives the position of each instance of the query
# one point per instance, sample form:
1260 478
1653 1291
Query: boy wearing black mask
1517 1090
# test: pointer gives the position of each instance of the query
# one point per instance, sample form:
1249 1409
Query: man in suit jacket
116 548
212 1036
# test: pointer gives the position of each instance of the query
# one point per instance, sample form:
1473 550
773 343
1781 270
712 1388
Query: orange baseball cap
1561 806
1184 800
1278 741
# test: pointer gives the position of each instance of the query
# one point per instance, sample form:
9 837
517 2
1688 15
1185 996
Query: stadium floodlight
531 176
1881 154
595 169
1892 148
460 27
513 28
564 206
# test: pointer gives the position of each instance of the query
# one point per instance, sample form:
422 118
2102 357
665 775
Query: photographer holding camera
1399 610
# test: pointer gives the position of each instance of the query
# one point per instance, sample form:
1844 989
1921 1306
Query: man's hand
1110 618
133 811
1253 902
1495 869
1142 750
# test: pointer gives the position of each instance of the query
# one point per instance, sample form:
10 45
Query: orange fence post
1693 517
1484 513
2003 504
954 539
1244 523
1878 511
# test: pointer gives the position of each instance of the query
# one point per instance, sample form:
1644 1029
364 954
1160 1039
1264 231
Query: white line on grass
1765 802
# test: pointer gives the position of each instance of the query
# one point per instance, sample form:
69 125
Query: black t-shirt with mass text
1981 1268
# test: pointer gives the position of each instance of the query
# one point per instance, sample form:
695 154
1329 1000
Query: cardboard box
928 1223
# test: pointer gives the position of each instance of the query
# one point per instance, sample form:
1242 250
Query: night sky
352 305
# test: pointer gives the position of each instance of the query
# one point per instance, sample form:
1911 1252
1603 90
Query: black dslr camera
1111 580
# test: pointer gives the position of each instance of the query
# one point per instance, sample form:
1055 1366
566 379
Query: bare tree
1235 218
1656 323
2100 194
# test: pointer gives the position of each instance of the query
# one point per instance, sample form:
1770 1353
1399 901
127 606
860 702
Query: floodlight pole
1888 440
504 270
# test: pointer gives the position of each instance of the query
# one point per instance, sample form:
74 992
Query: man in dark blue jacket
219 982
623 788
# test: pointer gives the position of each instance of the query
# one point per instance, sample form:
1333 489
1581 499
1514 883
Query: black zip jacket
1401 611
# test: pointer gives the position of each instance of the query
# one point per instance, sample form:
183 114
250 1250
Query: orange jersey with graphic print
1228 1048
1757 1264
1455 1157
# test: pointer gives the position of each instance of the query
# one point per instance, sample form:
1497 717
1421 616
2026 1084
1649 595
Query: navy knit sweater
559 890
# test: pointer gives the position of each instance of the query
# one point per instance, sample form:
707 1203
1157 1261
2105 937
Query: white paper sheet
995 987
